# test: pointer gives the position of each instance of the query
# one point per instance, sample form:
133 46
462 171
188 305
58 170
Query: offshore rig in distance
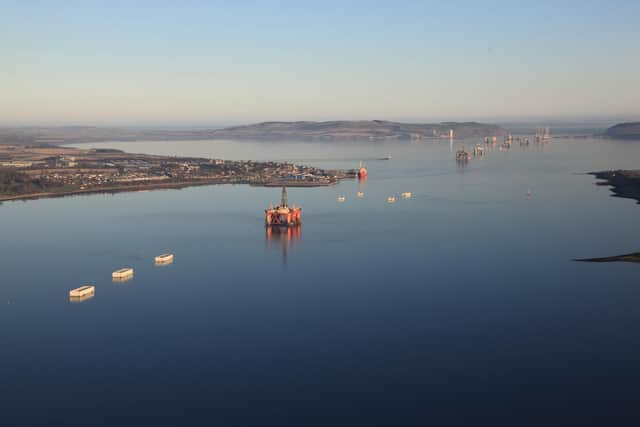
283 215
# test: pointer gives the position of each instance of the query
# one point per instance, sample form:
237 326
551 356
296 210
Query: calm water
459 305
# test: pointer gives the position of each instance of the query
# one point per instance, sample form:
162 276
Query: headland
624 183
34 172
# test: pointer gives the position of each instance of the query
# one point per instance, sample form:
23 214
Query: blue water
461 305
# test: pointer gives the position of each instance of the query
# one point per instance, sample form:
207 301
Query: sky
206 62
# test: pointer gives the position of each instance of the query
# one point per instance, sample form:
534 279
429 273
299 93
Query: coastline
28 173
631 257
160 186
623 183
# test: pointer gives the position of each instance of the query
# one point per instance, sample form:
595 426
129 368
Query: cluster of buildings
74 169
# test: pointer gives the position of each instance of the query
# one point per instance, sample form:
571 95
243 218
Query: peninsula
33 172
365 130
624 183
632 257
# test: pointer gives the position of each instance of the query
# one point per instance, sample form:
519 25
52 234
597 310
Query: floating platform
283 214
164 259
406 195
341 199
122 274
82 291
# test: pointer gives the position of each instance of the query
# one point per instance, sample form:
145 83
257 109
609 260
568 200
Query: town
47 171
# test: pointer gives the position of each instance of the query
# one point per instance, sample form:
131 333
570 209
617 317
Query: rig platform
283 215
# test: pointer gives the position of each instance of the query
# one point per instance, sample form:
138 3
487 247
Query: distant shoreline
625 131
339 130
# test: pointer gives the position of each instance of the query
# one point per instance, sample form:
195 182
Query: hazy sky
235 61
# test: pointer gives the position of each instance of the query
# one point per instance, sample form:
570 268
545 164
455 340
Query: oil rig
283 215
542 135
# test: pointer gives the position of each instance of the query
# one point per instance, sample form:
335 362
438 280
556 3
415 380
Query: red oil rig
283 214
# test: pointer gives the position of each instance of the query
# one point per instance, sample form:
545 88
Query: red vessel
362 171
283 214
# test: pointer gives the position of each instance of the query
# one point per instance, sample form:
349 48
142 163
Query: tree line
13 182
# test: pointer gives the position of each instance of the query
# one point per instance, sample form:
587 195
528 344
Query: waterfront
464 296
37 172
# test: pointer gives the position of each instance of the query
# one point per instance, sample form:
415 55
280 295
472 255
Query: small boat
406 195
164 258
360 194
82 291
391 199
341 199
122 274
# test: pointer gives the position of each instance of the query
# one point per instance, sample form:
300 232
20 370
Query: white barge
164 258
122 274
82 291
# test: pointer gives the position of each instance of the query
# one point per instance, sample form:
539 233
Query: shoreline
631 257
157 186
28 173
622 183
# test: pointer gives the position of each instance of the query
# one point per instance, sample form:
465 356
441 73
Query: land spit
36 172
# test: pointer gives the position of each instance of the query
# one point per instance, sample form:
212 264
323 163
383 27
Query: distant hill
630 130
36 136
332 130
359 130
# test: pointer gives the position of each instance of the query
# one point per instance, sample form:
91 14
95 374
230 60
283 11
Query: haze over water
462 302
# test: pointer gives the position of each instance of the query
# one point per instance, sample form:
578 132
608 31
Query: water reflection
362 182
81 299
282 236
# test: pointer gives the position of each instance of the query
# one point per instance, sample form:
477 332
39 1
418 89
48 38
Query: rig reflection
277 235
